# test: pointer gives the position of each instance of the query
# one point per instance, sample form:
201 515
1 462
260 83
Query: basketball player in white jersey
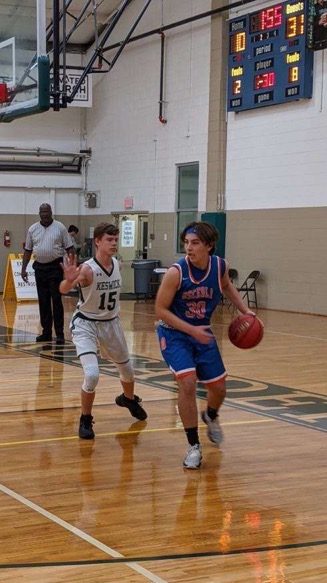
96 322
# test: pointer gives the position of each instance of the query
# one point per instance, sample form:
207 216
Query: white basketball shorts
88 335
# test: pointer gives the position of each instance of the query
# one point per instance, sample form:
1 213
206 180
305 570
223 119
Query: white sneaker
193 458
214 431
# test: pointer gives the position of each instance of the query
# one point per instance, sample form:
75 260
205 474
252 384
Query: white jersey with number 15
100 300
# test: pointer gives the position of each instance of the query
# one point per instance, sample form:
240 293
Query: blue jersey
196 299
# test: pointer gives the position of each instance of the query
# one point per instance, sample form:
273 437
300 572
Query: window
187 198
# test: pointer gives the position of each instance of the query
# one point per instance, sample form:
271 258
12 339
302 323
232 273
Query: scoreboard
269 59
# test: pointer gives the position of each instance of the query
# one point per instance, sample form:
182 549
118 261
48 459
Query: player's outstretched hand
70 267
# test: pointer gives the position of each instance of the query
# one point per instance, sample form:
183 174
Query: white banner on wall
83 97
128 234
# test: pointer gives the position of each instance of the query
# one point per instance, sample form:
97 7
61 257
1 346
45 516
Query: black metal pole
182 22
90 64
64 62
162 68
56 56
50 25
78 20
129 34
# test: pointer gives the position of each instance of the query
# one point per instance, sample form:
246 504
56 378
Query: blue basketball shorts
184 354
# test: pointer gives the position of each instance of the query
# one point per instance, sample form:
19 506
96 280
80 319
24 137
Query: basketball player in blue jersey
189 293
96 323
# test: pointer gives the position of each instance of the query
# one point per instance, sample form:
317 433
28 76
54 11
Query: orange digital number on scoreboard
238 42
237 86
294 26
293 74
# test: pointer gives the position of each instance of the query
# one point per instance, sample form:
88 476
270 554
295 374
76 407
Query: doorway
133 244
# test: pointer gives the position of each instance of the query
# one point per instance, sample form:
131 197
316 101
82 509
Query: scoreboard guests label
269 59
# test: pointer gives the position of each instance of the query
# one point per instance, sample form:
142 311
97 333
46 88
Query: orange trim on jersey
219 273
190 272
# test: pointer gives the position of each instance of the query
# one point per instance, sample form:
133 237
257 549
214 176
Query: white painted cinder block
132 149
276 156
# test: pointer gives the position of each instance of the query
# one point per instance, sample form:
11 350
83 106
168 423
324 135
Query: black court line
293 406
172 557
67 407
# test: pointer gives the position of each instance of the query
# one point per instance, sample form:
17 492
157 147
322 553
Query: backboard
24 64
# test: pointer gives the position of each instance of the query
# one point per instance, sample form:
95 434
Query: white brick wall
22 193
134 154
276 156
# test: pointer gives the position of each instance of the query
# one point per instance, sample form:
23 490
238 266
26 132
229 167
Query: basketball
245 331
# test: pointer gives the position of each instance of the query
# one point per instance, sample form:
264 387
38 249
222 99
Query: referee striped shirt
48 243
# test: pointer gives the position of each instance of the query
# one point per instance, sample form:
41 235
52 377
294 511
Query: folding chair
248 289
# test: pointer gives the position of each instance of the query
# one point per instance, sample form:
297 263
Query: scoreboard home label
270 61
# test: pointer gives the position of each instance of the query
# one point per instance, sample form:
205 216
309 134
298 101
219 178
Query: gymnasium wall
134 154
276 197
22 193
276 156
52 130
275 215
269 177
288 246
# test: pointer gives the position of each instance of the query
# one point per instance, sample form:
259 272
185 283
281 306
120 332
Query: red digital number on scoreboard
264 80
266 19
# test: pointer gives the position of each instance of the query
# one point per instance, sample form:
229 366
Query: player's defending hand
70 268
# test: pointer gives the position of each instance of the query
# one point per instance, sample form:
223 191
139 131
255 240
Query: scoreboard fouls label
270 60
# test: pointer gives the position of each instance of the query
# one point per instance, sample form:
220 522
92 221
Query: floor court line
297 335
114 433
81 534
37 378
222 325
69 343
172 557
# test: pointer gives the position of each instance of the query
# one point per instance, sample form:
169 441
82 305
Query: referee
48 240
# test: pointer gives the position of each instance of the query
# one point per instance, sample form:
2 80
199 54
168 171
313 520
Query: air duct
41 160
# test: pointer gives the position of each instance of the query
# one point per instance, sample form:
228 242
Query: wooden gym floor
121 508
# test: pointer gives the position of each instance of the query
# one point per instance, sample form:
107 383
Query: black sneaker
85 427
43 338
60 340
133 405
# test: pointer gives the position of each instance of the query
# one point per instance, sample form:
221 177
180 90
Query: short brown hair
105 229
206 232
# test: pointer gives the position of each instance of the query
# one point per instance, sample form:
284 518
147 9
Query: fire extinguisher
6 238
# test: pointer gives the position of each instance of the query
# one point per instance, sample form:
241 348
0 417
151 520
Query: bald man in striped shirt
48 240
